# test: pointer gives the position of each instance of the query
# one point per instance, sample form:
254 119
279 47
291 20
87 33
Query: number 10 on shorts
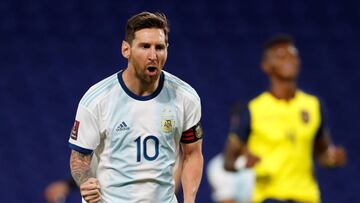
142 146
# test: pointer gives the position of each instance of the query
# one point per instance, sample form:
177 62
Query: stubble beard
145 79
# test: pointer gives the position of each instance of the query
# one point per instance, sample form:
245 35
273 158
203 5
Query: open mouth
152 69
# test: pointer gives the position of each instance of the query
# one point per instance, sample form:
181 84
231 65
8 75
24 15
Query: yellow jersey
282 134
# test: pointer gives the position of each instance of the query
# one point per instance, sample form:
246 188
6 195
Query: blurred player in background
230 186
281 131
57 191
135 121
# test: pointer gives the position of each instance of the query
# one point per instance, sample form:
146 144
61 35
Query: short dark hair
276 40
146 20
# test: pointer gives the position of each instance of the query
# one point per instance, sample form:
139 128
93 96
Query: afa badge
305 116
167 125
198 131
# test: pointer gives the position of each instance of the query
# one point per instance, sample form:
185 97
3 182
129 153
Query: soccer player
135 121
57 191
281 130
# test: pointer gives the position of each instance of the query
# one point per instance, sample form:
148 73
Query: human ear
125 49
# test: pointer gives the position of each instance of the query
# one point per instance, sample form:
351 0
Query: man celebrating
134 121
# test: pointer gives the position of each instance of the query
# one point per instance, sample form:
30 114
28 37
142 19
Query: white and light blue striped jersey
135 138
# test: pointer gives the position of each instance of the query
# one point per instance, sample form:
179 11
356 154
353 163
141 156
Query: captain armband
192 135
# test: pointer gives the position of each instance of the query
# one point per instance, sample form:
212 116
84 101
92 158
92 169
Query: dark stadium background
52 51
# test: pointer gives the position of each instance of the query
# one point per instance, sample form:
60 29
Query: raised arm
191 170
80 170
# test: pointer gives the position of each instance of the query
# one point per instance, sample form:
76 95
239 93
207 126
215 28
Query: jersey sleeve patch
192 135
75 130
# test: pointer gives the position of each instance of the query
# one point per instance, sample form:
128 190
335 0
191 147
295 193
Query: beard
145 78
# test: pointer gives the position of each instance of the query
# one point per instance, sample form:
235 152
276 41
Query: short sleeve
85 134
192 113
324 121
242 125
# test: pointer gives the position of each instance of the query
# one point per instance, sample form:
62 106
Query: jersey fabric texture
135 138
282 134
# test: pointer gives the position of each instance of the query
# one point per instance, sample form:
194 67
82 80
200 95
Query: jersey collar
137 97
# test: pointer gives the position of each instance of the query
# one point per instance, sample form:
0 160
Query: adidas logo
122 127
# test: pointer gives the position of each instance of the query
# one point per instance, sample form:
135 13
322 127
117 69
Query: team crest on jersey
75 130
167 125
305 116
167 120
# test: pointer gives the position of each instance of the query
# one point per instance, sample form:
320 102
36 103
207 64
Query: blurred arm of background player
191 170
327 153
80 165
234 148
57 191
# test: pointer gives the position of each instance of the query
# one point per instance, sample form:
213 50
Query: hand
251 159
56 191
335 156
90 190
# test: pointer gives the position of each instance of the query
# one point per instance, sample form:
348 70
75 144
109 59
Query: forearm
327 153
191 175
321 148
80 166
231 152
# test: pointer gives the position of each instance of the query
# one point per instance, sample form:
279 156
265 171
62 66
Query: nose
152 54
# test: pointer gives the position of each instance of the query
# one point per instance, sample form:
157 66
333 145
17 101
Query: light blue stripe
97 91
89 94
181 83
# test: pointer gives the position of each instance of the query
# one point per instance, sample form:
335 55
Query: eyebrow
148 43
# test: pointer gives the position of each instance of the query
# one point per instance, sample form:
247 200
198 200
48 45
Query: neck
283 89
137 85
